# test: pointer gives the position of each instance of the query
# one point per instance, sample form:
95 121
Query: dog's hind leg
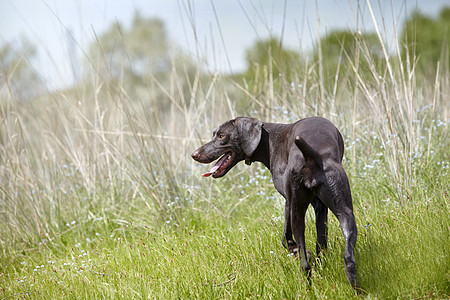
349 230
337 196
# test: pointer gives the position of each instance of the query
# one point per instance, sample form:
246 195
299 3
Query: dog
304 159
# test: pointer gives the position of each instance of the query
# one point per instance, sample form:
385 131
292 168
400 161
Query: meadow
99 197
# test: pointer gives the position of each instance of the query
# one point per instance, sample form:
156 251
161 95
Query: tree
343 50
426 38
269 55
17 75
140 60
129 55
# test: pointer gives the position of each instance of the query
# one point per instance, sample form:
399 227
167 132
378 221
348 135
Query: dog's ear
249 131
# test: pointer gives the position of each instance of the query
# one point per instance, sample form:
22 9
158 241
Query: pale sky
61 29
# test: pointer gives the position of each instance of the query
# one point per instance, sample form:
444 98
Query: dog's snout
195 155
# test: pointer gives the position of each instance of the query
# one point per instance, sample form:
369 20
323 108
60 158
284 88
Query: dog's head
233 141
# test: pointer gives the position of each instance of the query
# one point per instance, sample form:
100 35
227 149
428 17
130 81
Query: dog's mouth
222 166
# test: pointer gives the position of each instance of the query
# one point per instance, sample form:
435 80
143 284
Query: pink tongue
211 171
216 167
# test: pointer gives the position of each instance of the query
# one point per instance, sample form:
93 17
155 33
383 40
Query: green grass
401 253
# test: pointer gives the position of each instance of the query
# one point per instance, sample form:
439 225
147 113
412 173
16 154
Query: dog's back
322 136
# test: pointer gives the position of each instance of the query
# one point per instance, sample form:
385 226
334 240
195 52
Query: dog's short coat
305 161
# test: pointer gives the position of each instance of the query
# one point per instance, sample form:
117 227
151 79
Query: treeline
139 60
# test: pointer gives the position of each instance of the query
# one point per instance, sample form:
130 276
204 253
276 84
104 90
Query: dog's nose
195 155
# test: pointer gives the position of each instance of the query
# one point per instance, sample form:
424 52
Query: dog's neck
269 135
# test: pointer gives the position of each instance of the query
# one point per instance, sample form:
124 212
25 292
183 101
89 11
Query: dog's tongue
215 168
207 174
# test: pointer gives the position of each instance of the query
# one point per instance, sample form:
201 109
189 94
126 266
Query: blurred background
102 102
58 38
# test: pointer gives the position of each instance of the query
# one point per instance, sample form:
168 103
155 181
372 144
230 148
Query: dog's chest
280 176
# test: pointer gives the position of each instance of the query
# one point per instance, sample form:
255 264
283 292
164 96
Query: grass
400 254
94 202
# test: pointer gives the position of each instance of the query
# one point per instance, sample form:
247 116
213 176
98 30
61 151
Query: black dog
305 161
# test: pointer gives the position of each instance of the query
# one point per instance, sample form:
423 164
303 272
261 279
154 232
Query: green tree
343 51
426 38
269 56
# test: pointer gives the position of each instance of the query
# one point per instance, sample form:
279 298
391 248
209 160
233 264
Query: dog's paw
296 254
308 256
292 246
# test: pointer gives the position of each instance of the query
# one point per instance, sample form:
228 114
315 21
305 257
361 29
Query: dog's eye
221 136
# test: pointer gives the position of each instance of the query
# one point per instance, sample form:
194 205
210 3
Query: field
99 197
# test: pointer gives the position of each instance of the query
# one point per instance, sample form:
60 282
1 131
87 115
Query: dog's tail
313 166
311 155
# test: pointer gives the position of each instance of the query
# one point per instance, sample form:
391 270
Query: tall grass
96 159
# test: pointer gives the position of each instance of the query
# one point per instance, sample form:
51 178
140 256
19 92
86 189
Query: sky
216 31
